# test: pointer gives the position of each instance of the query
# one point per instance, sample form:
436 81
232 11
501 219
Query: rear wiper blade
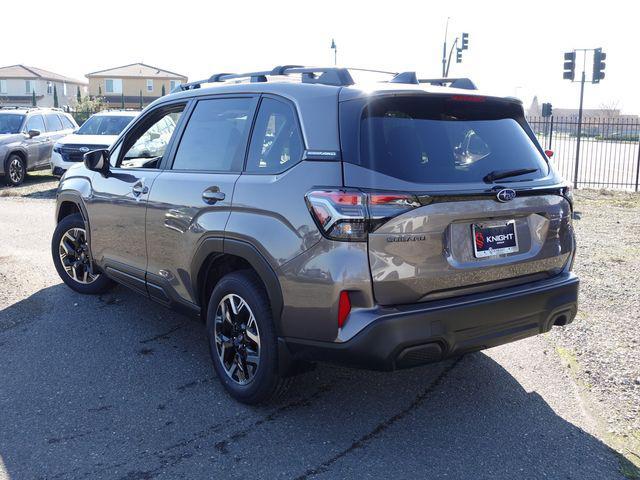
498 174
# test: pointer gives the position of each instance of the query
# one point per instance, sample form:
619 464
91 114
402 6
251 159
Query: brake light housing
349 215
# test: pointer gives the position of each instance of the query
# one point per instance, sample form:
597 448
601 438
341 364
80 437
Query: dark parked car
305 216
27 136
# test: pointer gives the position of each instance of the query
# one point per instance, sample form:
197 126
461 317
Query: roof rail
463 83
337 76
29 107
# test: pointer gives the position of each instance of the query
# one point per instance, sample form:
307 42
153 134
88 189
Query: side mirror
97 160
33 133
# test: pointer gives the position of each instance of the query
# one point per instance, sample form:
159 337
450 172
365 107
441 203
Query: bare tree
610 109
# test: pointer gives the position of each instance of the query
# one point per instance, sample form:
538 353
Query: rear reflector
344 308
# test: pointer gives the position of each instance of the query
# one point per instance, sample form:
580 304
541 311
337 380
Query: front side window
215 138
35 123
113 85
146 144
53 122
10 123
149 85
276 143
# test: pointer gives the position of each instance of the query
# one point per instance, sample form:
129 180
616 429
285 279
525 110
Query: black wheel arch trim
68 197
248 252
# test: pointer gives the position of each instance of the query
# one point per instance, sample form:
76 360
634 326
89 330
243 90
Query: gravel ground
603 345
116 386
38 184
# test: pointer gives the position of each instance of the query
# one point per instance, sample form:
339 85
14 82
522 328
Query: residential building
18 83
130 81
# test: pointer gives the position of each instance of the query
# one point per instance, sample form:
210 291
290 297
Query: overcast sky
516 48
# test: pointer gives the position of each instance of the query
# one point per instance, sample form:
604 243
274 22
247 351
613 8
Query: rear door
191 199
458 236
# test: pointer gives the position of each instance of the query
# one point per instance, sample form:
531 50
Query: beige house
18 83
130 81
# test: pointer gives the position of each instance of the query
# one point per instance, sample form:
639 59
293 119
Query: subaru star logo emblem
506 194
83 149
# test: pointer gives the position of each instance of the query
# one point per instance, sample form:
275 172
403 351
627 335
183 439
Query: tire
93 282
261 382
15 170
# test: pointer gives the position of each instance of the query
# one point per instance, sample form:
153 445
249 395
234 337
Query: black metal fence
607 154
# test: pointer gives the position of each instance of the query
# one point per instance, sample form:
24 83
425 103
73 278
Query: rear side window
35 123
53 122
66 123
215 138
276 143
442 140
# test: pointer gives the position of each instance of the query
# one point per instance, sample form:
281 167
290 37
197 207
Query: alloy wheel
74 255
16 172
237 339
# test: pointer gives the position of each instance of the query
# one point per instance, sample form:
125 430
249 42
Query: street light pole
335 51
444 49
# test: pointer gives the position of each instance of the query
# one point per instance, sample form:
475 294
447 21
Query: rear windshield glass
104 125
10 123
444 140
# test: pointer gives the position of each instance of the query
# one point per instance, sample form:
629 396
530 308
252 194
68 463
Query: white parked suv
98 132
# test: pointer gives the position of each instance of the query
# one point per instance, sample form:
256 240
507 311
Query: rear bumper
411 335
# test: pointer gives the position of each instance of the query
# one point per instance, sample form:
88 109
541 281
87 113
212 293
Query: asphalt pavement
117 387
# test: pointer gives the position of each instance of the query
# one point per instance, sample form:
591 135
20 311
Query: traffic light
547 110
598 65
465 42
569 66
458 55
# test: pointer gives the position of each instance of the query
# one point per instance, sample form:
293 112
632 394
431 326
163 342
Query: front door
118 205
191 199
36 146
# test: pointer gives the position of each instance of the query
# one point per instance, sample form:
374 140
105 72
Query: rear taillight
349 215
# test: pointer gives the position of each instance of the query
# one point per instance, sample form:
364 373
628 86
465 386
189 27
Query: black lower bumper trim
413 335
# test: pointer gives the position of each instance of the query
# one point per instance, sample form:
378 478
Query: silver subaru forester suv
307 216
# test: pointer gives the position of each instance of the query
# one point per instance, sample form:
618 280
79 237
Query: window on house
49 88
173 84
113 85
3 86
64 89
28 86
149 85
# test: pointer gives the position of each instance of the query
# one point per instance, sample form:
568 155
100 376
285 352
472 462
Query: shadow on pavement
117 387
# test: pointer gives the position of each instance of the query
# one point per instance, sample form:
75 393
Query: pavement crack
162 336
223 445
381 427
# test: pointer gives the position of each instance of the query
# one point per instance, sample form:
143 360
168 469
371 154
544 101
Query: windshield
104 125
445 140
10 123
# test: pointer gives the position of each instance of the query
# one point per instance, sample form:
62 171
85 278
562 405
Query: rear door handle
212 196
139 188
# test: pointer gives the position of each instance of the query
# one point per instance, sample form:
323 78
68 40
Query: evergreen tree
55 96
78 94
164 92
99 90
33 98
140 99
122 101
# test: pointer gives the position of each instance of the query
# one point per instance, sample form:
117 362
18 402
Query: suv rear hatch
449 156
